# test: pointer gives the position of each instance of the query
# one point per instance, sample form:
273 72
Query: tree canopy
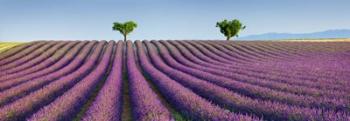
230 28
124 28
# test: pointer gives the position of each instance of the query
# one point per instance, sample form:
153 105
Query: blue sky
23 20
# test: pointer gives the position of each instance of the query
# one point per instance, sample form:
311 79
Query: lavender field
176 81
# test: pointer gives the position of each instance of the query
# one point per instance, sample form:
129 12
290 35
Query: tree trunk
227 38
124 37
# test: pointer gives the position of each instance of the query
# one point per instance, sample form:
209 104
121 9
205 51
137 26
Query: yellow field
7 45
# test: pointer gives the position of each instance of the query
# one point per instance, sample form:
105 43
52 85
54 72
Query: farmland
175 80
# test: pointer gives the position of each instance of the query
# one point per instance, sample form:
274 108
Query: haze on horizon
164 19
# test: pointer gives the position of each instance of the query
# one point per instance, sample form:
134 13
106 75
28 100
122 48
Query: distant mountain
339 33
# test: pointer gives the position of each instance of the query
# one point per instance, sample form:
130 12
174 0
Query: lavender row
259 54
241 57
270 82
275 50
201 56
15 50
268 110
249 79
266 55
69 104
255 91
22 53
210 53
107 105
23 89
225 58
263 50
241 70
146 104
19 72
279 48
27 57
42 58
315 66
225 44
24 107
187 102
247 55
316 77
50 73
245 66
47 66
197 56
288 69
272 51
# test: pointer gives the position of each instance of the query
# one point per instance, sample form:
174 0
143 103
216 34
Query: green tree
230 28
124 28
